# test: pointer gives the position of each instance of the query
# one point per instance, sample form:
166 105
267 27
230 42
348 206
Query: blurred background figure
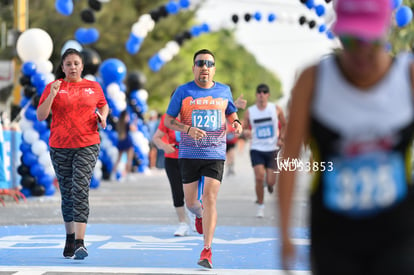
168 140
125 145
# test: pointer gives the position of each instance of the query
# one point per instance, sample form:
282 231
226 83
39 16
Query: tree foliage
235 66
402 39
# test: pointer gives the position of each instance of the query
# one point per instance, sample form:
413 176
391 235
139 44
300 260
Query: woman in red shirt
77 106
168 140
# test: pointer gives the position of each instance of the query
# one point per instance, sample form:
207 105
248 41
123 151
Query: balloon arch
35 46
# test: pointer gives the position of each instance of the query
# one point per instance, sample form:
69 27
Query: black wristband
188 130
238 121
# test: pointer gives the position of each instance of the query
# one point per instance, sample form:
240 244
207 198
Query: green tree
235 65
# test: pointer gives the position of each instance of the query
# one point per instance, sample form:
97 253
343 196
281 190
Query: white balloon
71 44
165 55
25 123
98 164
30 136
39 147
150 25
173 47
44 159
139 30
97 173
34 44
43 66
90 77
105 143
50 77
113 89
113 153
143 95
50 171
145 18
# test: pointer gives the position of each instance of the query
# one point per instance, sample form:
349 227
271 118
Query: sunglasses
201 63
262 92
351 42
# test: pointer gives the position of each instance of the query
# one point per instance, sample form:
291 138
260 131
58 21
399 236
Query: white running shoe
191 219
260 211
182 230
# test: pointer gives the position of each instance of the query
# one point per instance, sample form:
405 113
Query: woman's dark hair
59 73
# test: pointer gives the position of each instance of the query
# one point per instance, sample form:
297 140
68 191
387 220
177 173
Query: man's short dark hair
262 87
203 51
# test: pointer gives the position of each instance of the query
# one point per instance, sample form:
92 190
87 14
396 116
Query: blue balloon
330 35
25 147
205 27
172 7
45 136
29 68
26 192
24 101
50 190
257 16
112 70
320 10
396 4
155 63
195 31
403 16
29 159
40 126
322 28
310 4
94 183
133 43
37 170
271 17
45 180
87 36
30 114
64 7
184 3
38 80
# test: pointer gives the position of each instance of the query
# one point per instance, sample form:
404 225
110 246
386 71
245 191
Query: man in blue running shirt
203 105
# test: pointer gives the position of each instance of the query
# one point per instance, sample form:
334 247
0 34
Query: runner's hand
54 88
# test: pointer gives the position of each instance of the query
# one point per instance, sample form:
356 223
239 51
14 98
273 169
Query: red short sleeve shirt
74 122
169 137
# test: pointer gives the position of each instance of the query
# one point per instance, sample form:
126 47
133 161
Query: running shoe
69 249
81 252
199 224
191 218
205 258
182 230
270 189
260 211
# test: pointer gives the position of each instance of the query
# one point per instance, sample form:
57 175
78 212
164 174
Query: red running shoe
199 225
205 258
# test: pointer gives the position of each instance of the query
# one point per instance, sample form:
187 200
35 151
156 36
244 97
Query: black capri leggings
74 169
174 176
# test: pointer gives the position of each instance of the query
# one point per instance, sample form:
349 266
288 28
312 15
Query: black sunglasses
262 91
201 63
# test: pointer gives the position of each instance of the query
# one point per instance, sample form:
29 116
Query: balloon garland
34 48
82 35
146 23
172 48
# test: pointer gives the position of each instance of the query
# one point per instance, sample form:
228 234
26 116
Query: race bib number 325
365 185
